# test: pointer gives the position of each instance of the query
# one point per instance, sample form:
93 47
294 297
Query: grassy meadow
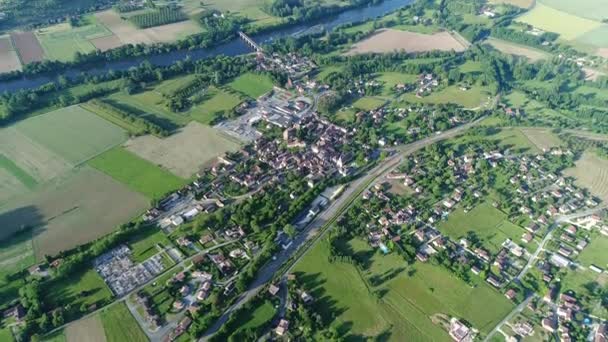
119 325
252 85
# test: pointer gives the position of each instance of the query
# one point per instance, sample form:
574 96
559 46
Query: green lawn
81 288
216 102
410 295
596 253
326 70
472 98
150 105
143 246
391 79
346 114
488 223
470 66
368 103
119 325
252 85
73 133
169 87
18 172
261 315
6 335
137 173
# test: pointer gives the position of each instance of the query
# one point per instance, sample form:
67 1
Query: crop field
16 253
410 296
86 329
590 9
388 40
136 173
518 50
472 98
9 59
489 224
217 101
518 3
62 41
64 291
119 325
591 172
73 133
542 138
72 210
252 85
184 152
549 19
27 47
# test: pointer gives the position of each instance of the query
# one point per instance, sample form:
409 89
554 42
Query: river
232 48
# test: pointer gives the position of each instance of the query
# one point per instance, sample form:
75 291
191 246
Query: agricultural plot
9 59
518 50
410 296
251 9
549 19
16 254
183 153
590 9
86 329
591 172
252 85
73 133
515 140
474 97
543 139
27 47
76 208
489 224
518 3
136 173
388 40
61 42
119 325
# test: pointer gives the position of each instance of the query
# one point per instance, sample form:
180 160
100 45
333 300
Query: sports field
409 296
72 133
252 85
489 224
87 329
119 325
136 173
184 152
591 172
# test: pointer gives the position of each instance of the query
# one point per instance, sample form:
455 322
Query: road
513 312
311 233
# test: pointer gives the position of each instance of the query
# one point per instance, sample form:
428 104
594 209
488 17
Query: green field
488 223
216 102
251 9
261 315
579 281
73 133
391 79
472 98
596 253
16 254
6 335
409 296
119 325
58 336
550 19
18 172
471 66
143 246
591 9
137 173
62 41
150 106
368 103
169 87
252 85
81 288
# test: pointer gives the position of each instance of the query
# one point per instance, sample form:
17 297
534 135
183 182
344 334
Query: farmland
27 47
549 19
591 172
73 133
472 98
590 9
119 325
489 224
388 40
184 152
518 50
9 59
542 138
89 329
410 298
137 173
252 85
251 9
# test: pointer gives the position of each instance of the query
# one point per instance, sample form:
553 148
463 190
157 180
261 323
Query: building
282 328
459 331
549 324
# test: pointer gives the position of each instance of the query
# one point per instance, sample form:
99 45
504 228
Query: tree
290 230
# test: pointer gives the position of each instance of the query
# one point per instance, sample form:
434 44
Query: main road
286 259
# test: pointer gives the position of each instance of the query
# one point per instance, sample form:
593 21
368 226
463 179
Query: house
494 281
273 290
459 331
422 257
307 298
282 328
527 238
510 294
549 324
559 261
